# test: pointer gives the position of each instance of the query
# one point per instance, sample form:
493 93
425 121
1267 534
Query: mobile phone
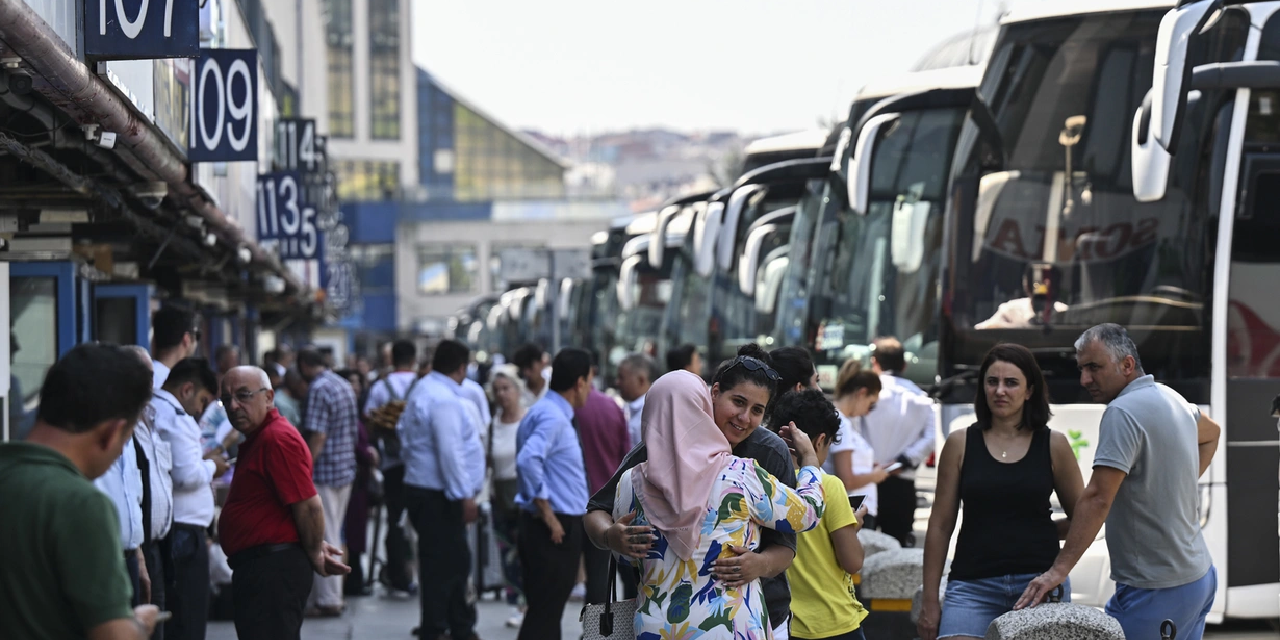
856 501
164 616
893 467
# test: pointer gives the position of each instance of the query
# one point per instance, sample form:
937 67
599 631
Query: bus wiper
945 385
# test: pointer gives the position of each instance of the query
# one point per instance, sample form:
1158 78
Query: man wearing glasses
273 523
188 389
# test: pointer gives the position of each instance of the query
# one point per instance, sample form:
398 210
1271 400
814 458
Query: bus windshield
1048 239
792 312
885 265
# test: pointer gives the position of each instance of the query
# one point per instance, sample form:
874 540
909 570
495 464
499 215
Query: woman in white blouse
505 387
851 457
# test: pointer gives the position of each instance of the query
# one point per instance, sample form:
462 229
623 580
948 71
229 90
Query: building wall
474 244
362 152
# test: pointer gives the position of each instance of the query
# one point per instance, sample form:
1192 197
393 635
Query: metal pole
553 290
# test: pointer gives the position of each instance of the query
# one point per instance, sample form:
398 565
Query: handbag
613 620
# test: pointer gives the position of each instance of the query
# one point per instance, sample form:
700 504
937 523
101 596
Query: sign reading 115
296 144
284 218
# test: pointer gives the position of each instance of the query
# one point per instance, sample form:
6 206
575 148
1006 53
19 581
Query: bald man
272 526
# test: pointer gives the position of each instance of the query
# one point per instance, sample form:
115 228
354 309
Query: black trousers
549 571
270 594
395 572
897 516
131 566
598 586
187 590
155 569
444 563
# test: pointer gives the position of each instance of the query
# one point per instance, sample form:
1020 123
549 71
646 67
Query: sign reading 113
284 218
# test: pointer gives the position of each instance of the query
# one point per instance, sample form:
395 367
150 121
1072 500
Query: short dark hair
94 382
794 364
224 349
1035 413
195 371
888 353
525 356
570 365
450 356
169 325
810 410
736 371
311 358
680 357
403 353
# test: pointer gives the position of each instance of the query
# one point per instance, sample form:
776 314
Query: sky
573 67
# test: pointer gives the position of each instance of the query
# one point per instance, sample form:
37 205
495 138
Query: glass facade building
465 155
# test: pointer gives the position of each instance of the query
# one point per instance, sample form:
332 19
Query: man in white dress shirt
636 374
187 392
174 337
155 463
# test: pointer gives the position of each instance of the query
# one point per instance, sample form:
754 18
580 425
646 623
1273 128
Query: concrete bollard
889 580
874 542
1055 621
917 600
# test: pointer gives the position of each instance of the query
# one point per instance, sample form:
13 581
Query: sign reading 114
284 219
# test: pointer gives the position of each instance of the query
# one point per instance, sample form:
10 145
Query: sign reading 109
284 219
224 109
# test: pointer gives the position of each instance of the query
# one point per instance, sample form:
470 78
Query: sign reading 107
296 145
284 219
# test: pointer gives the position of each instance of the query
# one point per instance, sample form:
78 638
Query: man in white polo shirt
1153 446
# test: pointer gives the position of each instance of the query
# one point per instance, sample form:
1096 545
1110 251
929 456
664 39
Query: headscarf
686 453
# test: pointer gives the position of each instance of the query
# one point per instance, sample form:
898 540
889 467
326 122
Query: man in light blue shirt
440 445
123 484
552 495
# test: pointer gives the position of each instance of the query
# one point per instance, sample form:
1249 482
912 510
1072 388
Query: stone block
874 542
916 600
1056 621
893 575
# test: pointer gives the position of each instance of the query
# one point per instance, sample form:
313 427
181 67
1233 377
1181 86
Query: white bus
1069 210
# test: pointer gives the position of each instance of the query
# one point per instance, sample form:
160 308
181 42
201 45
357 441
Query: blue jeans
970 606
1140 611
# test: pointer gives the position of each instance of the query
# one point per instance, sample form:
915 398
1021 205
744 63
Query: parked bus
1079 197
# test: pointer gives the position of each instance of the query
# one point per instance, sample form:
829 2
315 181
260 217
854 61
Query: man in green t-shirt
64 572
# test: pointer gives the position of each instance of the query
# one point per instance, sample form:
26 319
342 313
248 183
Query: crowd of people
720 528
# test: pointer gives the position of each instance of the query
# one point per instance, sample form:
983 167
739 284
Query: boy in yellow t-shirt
822 602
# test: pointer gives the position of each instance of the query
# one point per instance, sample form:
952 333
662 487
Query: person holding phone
851 458
1003 469
829 554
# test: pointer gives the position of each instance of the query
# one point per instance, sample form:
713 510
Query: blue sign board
284 217
141 29
224 106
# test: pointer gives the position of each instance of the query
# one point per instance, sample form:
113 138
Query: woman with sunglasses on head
741 392
851 458
702 502
1003 469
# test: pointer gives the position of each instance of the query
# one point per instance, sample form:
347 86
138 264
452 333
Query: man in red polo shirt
272 526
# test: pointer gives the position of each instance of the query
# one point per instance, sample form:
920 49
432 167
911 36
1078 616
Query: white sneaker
579 592
516 619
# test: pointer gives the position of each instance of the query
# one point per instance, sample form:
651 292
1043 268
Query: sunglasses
754 364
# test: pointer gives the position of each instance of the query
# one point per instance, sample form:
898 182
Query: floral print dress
680 600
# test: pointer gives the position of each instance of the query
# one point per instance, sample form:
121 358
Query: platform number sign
224 106
141 29
296 145
284 218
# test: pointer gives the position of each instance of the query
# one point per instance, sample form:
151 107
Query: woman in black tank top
1004 470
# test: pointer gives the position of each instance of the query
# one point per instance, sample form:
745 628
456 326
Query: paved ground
391 618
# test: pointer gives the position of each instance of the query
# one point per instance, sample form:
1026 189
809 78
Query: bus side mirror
1150 162
627 283
749 261
1171 79
859 182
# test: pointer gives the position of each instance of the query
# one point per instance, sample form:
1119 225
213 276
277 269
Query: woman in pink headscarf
700 499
